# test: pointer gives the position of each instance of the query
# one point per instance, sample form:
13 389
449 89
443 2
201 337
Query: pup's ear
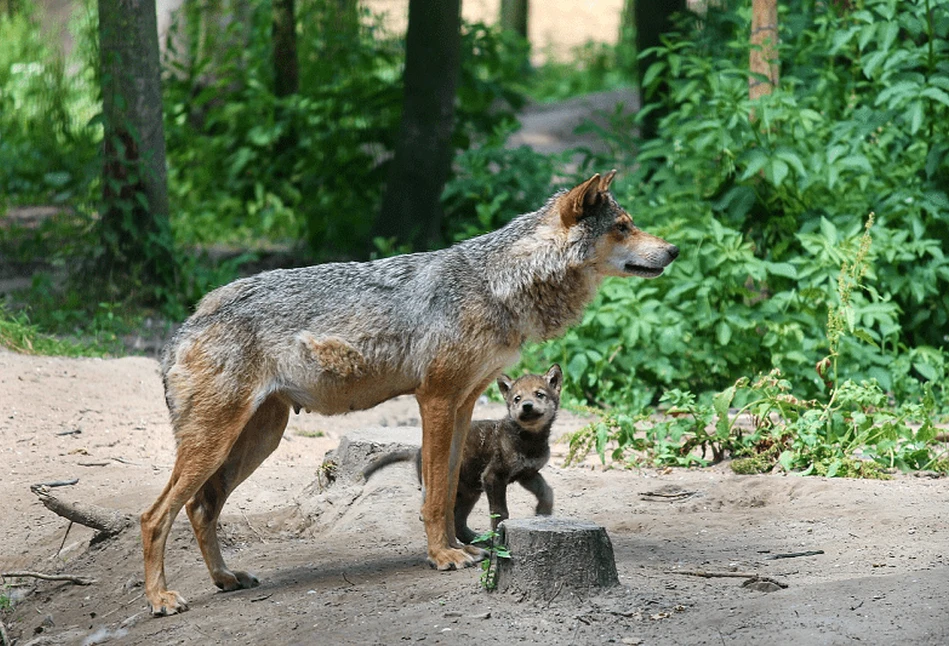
554 378
574 205
606 181
504 385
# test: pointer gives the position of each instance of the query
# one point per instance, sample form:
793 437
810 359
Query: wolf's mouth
531 416
641 271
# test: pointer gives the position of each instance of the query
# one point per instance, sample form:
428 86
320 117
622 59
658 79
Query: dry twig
107 521
72 578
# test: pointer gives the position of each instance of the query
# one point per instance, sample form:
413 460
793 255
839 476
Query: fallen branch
4 639
57 483
750 576
793 555
714 575
107 521
78 580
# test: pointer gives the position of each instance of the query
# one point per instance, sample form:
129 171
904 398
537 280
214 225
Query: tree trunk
134 226
285 64
652 19
411 208
549 555
763 57
514 16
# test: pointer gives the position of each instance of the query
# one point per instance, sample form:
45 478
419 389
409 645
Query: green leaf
793 161
926 370
936 94
785 269
867 32
916 117
829 230
777 171
754 162
578 364
723 333
864 336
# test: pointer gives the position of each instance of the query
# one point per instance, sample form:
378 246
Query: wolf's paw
450 558
476 553
168 603
236 580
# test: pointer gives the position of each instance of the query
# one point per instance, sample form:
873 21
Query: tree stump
549 555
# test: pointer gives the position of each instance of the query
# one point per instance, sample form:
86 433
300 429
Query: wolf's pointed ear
578 200
504 385
607 180
554 378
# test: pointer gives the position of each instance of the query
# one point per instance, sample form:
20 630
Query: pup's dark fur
345 336
499 452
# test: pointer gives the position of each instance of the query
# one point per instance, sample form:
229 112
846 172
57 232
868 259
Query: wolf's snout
673 252
527 407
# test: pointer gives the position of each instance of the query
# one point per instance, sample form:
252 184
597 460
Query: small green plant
490 541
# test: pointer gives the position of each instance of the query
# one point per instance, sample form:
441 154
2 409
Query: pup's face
620 248
532 400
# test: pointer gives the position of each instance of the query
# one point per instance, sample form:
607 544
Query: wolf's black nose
673 251
527 407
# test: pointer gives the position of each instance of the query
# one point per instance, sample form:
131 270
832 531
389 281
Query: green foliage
854 432
591 67
857 433
767 202
47 143
19 334
492 184
246 165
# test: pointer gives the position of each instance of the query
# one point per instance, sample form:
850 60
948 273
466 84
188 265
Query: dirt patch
345 563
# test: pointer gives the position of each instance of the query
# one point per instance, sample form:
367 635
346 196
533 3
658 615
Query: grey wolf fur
345 336
499 452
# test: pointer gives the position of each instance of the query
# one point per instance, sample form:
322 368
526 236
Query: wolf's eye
540 395
517 398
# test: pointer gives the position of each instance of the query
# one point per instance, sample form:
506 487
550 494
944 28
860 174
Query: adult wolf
340 337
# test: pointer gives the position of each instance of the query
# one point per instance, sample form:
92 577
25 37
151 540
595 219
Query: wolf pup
340 337
499 452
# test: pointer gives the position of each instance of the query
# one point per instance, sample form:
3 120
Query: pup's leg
495 486
200 453
545 495
464 502
259 439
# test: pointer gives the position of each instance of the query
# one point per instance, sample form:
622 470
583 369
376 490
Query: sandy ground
344 563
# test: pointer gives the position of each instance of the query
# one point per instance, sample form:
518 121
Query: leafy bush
767 201
47 143
246 165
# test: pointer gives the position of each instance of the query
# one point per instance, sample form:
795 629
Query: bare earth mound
344 563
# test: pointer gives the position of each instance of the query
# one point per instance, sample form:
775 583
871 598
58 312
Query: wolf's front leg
441 482
495 486
446 418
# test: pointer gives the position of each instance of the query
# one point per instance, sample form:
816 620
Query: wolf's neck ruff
534 270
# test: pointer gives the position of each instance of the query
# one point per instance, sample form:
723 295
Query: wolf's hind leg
198 457
259 438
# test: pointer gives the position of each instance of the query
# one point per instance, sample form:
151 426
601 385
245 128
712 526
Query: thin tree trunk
134 224
411 208
653 18
514 16
285 64
763 57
